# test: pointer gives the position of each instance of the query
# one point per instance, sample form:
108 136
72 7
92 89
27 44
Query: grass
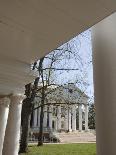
63 149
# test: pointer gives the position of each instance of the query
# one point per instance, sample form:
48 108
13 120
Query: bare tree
49 67
27 107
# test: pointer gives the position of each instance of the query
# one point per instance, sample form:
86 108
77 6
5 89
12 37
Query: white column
80 117
86 117
4 110
50 116
55 123
35 118
69 119
73 117
39 117
45 117
66 119
104 62
12 134
59 118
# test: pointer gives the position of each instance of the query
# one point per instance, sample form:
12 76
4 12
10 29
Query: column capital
45 108
50 108
5 101
17 99
74 106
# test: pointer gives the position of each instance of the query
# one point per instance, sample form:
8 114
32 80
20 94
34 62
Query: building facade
66 109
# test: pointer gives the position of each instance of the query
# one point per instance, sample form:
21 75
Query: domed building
63 106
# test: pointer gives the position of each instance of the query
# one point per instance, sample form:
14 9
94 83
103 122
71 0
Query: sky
82 44
81 59
86 55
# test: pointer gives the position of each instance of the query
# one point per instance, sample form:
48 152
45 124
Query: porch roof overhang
32 28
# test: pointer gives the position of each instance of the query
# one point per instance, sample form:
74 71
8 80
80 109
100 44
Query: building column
59 118
86 117
80 117
35 118
69 119
55 125
104 67
66 119
50 116
39 117
12 134
4 110
73 117
45 117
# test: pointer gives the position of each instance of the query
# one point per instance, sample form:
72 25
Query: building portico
61 121
64 112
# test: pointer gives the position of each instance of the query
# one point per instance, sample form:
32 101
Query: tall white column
73 117
50 116
35 118
80 117
39 117
59 118
66 119
12 134
69 119
104 62
45 117
86 117
4 110
55 124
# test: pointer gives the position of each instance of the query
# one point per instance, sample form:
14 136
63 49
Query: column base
74 130
87 130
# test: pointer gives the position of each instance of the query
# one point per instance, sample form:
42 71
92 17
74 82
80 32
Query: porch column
4 110
80 117
50 116
104 66
45 117
59 118
73 117
12 134
86 117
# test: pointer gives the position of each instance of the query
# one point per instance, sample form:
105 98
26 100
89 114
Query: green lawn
63 149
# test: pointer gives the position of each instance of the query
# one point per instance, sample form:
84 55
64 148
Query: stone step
77 137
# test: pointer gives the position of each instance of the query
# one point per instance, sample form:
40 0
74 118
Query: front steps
77 137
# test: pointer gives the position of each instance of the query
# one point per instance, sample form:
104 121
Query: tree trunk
25 119
27 108
40 137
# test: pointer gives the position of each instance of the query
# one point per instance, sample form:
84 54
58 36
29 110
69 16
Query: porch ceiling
30 29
